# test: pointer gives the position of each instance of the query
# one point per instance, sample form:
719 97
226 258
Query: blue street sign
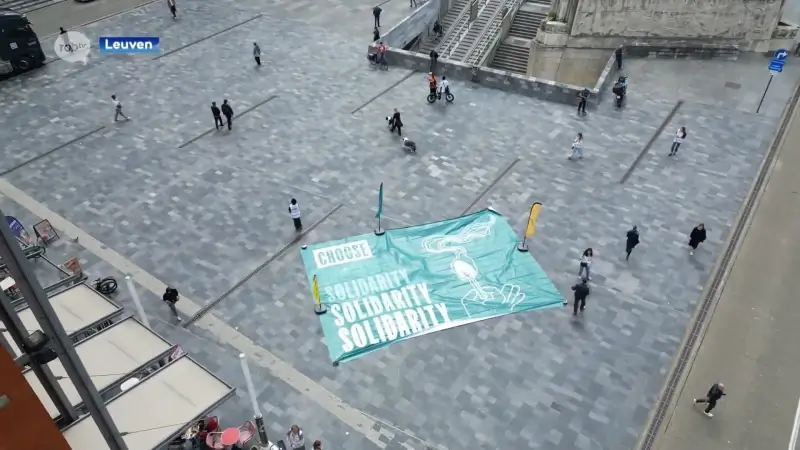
778 60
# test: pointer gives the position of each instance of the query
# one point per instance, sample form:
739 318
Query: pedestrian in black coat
697 236
227 111
581 292
632 240
376 13
217 115
618 57
714 394
397 123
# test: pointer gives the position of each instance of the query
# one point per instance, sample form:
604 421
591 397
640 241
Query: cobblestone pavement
202 210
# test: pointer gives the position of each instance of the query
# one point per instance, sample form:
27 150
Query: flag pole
530 227
380 231
319 308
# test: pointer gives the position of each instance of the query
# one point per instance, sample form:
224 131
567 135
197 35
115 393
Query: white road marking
260 356
795 428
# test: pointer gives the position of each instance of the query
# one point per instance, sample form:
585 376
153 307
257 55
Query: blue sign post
775 67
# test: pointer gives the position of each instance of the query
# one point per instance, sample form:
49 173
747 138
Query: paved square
203 210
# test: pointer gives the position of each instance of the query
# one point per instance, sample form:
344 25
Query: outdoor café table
230 436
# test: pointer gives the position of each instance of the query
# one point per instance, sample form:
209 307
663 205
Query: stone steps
511 58
448 22
526 24
469 37
26 6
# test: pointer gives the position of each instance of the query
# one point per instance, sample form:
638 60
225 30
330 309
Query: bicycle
374 61
449 97
105 285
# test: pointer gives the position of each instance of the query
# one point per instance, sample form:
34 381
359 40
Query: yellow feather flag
315 288
536 208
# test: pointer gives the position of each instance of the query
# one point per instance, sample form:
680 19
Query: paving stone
203 215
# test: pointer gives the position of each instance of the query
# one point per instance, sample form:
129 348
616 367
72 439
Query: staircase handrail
445 53
479 57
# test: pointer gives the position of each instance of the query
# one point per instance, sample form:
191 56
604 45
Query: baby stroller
409 145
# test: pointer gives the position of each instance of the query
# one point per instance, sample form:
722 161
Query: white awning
148 414
76 308
108 357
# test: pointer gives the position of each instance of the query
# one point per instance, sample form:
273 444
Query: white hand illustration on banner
466 269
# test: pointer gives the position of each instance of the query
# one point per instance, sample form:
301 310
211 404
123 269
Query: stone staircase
459 48
448 22
510 55
26 6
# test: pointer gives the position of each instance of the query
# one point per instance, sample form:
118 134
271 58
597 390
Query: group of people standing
632 239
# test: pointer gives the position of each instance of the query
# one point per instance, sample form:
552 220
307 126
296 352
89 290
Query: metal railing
461 31
487 38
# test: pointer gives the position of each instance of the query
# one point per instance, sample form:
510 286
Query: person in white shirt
586 264
295 437
680 135
294 212
118 109
577 147
444 87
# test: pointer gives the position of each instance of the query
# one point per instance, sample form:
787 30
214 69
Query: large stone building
581 32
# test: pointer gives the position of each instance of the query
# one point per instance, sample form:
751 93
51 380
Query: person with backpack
632 240
680 135
581 292
171 297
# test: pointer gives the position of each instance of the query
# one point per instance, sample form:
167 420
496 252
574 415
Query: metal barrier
458 32
486 38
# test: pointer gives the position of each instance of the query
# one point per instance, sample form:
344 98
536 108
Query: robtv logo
111 45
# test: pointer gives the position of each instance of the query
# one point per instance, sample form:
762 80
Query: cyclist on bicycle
432 83
444 88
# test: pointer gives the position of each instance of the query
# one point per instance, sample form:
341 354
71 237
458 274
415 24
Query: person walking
583 96
118 109
412 3
217 115
227 111
434 58
171 297
697 236
586 263
295 438
577 148
173 9
294 212
376 35
680 135
397 123
581 292
257 53
712 397
631 241
376 13
618 57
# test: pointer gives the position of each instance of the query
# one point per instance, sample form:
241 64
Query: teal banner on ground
421 279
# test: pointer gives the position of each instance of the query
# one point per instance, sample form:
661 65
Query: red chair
212 424
246 432
214 440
